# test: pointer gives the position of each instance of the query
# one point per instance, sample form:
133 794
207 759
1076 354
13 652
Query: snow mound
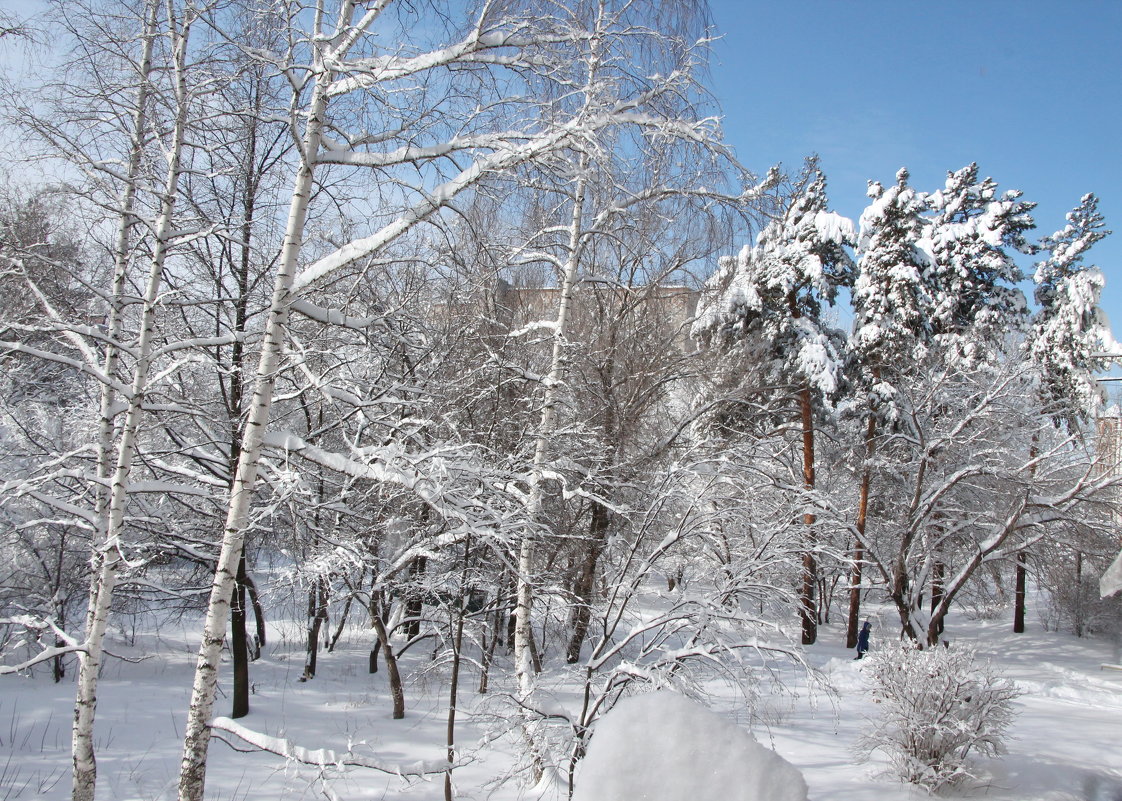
846 674
664 746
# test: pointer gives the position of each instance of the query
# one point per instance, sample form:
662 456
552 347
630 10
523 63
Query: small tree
938 707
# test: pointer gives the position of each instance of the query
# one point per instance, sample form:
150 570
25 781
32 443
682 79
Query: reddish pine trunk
853 624
807 610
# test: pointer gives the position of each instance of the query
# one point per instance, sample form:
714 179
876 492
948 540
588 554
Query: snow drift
664 746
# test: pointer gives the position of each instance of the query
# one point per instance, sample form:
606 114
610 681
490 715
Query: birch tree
110 549
155 86
234 177
332 69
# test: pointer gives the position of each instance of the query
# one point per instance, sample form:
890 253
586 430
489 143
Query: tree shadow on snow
1030 777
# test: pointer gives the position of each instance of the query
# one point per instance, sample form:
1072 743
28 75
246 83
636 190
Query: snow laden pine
972 235
768 307
892 302
774 295
891 308
1071 340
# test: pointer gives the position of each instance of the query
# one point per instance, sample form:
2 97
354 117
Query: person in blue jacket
863 640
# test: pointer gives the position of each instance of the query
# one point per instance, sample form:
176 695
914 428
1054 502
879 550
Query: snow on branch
332 316
372 71
40 627
326 757
531 327
458 490
501 160
81 367
45 655
412 153
506 156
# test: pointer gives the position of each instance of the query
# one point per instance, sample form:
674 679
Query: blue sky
1030 90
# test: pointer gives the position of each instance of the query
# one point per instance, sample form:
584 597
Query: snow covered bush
938 707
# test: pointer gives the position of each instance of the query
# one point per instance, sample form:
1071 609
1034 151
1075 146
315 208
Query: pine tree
891 299
770 311
973 279
974 276
1070 338
892 329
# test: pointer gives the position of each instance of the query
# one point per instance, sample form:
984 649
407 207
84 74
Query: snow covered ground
1064 744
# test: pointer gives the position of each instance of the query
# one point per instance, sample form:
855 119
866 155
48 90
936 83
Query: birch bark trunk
109 557
192 776
523 658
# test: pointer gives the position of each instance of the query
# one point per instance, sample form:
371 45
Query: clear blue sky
1030 90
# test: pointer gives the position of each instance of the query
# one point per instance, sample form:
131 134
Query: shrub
938 707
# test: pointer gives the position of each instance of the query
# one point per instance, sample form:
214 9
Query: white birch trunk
108 558
523 656
113 323
192 776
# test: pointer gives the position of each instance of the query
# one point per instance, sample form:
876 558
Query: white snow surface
1062 746
1111 581
664 747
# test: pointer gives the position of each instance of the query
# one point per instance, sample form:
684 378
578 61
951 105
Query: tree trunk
937 577
1019 594
109 557
317 614
239 648
241 653
374 608
58 666
499 621
192 776
453 690
1080 621
582 589
393 676
342 623
524 593
853 624
1021 572
807 610
414 602
453 695
258 616
489 651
